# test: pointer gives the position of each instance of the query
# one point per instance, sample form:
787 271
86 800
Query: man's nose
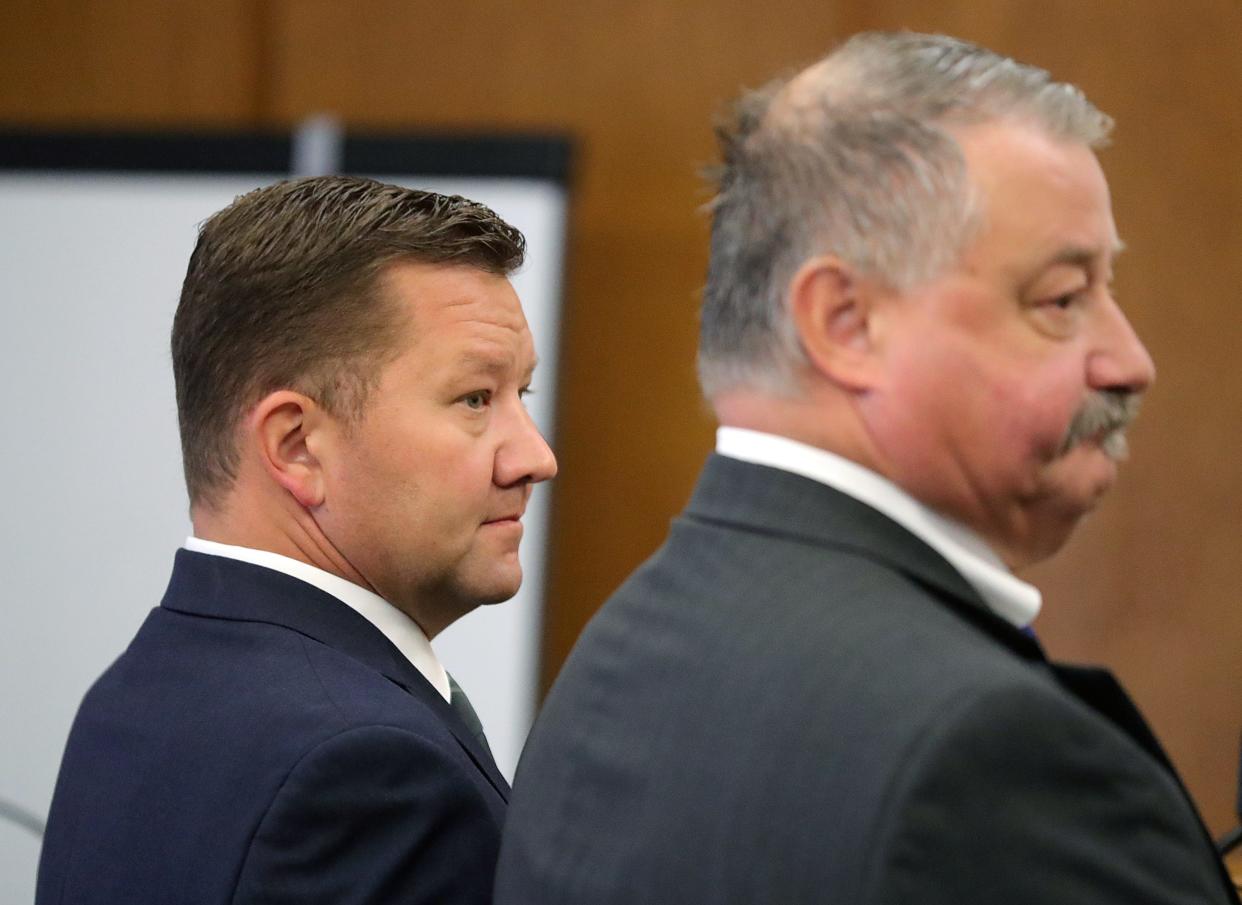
1119 360
525 457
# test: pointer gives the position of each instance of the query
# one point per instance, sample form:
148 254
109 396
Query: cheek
385 481
933 394
460 476
996 417
1043 404
425 473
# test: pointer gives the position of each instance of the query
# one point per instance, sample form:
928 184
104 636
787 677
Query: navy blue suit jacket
259 741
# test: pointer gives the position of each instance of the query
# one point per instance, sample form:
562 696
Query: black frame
532 156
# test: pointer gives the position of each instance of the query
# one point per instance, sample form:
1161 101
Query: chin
501 597
497 589
1070 489
1050 530
1090 466
1047 545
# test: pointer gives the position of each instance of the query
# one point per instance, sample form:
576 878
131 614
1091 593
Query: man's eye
524 392
1062 302
477 401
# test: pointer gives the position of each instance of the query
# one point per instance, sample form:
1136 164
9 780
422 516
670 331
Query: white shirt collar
396 626
1009 597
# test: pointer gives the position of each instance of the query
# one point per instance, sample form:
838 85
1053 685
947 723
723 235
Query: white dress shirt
396 626
1009 597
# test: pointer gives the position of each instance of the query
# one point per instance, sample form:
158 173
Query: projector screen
91 264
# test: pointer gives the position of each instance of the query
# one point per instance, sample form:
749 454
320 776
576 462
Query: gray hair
855 157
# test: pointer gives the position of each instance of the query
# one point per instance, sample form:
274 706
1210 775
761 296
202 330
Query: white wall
94 506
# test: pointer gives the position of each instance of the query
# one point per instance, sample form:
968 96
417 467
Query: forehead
455 305
1039 196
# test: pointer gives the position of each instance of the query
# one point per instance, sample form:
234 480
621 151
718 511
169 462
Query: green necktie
459 702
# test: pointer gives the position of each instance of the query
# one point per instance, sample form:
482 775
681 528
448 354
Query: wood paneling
132 63
1149 586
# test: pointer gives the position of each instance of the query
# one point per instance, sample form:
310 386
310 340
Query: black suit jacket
796 700
259 741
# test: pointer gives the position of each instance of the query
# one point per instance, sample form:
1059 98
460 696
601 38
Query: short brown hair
283 291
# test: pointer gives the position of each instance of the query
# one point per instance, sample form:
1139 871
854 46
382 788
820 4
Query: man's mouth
1103 420
501 519
1113 444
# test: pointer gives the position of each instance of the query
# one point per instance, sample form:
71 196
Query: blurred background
1151 584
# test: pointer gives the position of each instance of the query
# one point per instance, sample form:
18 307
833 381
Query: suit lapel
421 688
223 588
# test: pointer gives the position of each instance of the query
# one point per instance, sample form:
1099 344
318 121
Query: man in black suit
350 361
822 688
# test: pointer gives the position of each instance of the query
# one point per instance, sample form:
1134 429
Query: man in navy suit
350 361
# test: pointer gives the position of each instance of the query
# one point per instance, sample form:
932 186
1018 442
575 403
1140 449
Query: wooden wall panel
132 63
1150 585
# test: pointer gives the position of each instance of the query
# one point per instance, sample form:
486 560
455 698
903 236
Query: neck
825 420
434 619
277 523
837 422
279 526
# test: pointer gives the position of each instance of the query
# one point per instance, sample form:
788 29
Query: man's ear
285 427
832 309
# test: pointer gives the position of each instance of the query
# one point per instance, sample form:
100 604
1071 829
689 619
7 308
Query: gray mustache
1105 414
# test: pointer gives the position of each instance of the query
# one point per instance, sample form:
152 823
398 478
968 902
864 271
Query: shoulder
259 670
261 697
288 754
793 605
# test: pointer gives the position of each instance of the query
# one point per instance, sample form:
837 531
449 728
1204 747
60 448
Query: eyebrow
1082 256
491 364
